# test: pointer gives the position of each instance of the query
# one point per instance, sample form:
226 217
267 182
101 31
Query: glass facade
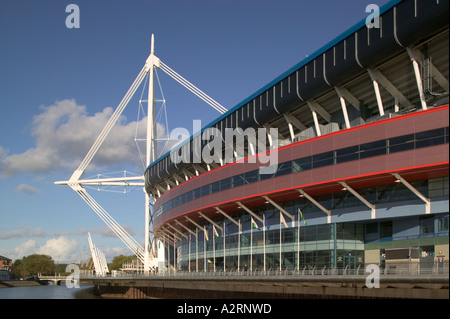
320 245
307 247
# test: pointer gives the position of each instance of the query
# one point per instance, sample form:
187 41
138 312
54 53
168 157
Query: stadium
340 162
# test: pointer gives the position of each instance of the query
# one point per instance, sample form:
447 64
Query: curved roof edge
300 64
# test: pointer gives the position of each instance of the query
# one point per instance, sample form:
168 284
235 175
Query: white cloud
105 231
27 232
27 248
27 189
20 231
60 249
64 133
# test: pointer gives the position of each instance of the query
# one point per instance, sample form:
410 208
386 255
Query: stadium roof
403 24
297 66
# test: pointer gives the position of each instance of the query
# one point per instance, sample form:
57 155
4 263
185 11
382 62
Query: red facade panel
407 124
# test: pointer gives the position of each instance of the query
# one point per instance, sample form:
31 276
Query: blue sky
59 85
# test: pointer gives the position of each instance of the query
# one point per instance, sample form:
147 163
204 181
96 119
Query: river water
48 292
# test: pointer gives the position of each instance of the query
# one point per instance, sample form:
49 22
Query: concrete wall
268 289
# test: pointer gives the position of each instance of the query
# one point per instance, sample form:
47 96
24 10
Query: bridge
56 279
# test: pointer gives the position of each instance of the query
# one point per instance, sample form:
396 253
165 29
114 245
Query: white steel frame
146 254
98 259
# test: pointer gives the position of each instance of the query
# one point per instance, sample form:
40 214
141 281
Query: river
48 292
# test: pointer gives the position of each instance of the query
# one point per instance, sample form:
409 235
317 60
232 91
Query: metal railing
306 273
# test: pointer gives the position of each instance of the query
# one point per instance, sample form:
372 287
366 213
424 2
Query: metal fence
305 273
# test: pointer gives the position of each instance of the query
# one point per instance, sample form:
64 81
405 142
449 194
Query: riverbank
18 283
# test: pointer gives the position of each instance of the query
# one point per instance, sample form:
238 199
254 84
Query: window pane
372 228
225 184
238 180
322 156
372 149
443 224
266 176
251 177
197 193
215 187
206 190
302 164
386 229
284 168
426 224
347 154
323 159
401 143
430 138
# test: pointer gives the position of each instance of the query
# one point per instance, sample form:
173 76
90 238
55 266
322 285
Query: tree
61 269
33 265
17 267
117 262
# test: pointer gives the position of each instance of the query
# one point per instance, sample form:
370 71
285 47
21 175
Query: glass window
401 143
372 228
206 190
323 232
430 138
347 154
215 187
302 164
438 187
443 224
197 193
266 176
372 149
426 224
284 168
225 184
251 177
386 229
323 159
238 180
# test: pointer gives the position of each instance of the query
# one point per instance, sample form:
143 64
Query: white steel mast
152 61
145 254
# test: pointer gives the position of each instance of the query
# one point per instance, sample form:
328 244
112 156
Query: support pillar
415 191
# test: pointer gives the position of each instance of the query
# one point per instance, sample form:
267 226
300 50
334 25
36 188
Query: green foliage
43 264
33 265
61 269
117 262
